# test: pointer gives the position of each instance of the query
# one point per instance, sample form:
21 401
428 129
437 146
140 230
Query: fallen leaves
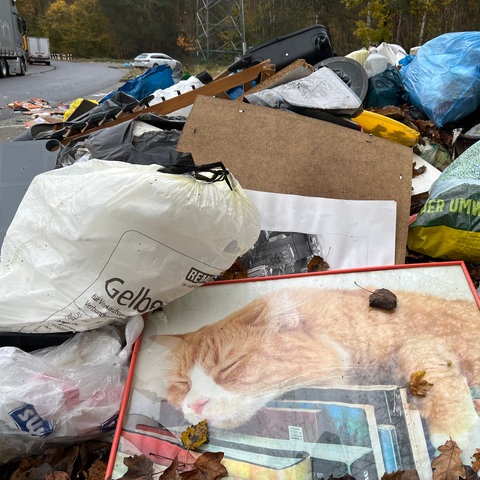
195 435
383 299
417 171
317 264
418 385
448 465
236 271
87 461
208 466
401 475
140 467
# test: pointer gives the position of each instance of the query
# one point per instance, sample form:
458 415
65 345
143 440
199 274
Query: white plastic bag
70 392
98 241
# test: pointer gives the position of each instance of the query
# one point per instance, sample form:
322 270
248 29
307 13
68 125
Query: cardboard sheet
283 152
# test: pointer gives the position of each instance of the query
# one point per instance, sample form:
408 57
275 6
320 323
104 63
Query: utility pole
220 30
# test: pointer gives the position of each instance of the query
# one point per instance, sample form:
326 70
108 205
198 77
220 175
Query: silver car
149 60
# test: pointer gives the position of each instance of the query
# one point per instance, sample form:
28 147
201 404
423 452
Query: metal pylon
220 29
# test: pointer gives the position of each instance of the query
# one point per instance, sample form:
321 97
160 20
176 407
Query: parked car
149 60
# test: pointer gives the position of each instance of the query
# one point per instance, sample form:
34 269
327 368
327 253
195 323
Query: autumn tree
77 28
124 28
142 26
34 11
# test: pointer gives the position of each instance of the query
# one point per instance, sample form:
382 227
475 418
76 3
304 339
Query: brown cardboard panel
283 152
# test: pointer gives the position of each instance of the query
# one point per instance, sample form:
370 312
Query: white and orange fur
225 372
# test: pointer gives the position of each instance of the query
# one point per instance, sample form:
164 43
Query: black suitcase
311 44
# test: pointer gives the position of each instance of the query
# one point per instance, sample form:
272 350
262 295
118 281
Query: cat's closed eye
232 364
181 384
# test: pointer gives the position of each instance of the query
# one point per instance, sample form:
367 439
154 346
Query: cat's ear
169 341
282 312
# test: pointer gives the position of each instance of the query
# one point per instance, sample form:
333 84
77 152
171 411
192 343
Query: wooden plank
216 87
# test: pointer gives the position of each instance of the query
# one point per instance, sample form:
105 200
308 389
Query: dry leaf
195 435
97 470
237 270
383 299
448 465
58 476
140 467
39 472
208 466
317 264
476 461
171 473
418 385
416 171
401 475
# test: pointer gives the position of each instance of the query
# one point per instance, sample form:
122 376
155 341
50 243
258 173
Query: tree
76 28
34 11
142 26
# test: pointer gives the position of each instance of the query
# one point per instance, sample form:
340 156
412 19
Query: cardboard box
283 152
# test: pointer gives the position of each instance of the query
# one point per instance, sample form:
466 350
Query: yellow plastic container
385 127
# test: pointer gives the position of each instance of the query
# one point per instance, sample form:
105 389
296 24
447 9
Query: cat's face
227 371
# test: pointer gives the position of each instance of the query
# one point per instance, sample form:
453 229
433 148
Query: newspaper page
344 233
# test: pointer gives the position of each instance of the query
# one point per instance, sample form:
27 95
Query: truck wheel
3 68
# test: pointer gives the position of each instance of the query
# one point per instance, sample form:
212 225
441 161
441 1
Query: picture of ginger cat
227 371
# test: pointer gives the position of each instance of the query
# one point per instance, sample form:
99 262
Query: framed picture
360 372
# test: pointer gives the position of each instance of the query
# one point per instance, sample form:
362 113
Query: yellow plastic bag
74 105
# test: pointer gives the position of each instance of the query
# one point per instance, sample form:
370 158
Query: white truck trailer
38 50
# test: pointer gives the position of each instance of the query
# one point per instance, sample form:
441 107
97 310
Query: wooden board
283 152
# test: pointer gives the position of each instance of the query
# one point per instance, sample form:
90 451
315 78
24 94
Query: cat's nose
198 405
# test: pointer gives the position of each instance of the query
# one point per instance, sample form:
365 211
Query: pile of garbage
122 206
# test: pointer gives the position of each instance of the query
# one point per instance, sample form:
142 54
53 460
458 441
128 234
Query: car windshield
142 55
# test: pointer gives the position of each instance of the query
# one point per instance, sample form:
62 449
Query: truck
13 30
38 50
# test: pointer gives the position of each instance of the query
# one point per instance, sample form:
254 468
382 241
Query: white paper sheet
345 233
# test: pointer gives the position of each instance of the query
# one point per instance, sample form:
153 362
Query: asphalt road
62 81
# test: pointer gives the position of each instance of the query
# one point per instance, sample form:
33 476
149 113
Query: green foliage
123 28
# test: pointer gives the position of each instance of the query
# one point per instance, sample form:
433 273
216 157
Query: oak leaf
383 299
448 465
195 435
418 385
208 466
401 475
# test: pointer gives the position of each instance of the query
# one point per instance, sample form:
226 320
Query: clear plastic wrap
67 393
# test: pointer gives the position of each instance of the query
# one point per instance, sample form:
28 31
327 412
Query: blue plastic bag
443 80
155 78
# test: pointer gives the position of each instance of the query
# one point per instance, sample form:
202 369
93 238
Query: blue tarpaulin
159 77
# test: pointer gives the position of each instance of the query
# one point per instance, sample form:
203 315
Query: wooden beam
212 89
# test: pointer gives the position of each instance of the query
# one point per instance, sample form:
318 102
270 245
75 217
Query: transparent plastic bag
67 393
